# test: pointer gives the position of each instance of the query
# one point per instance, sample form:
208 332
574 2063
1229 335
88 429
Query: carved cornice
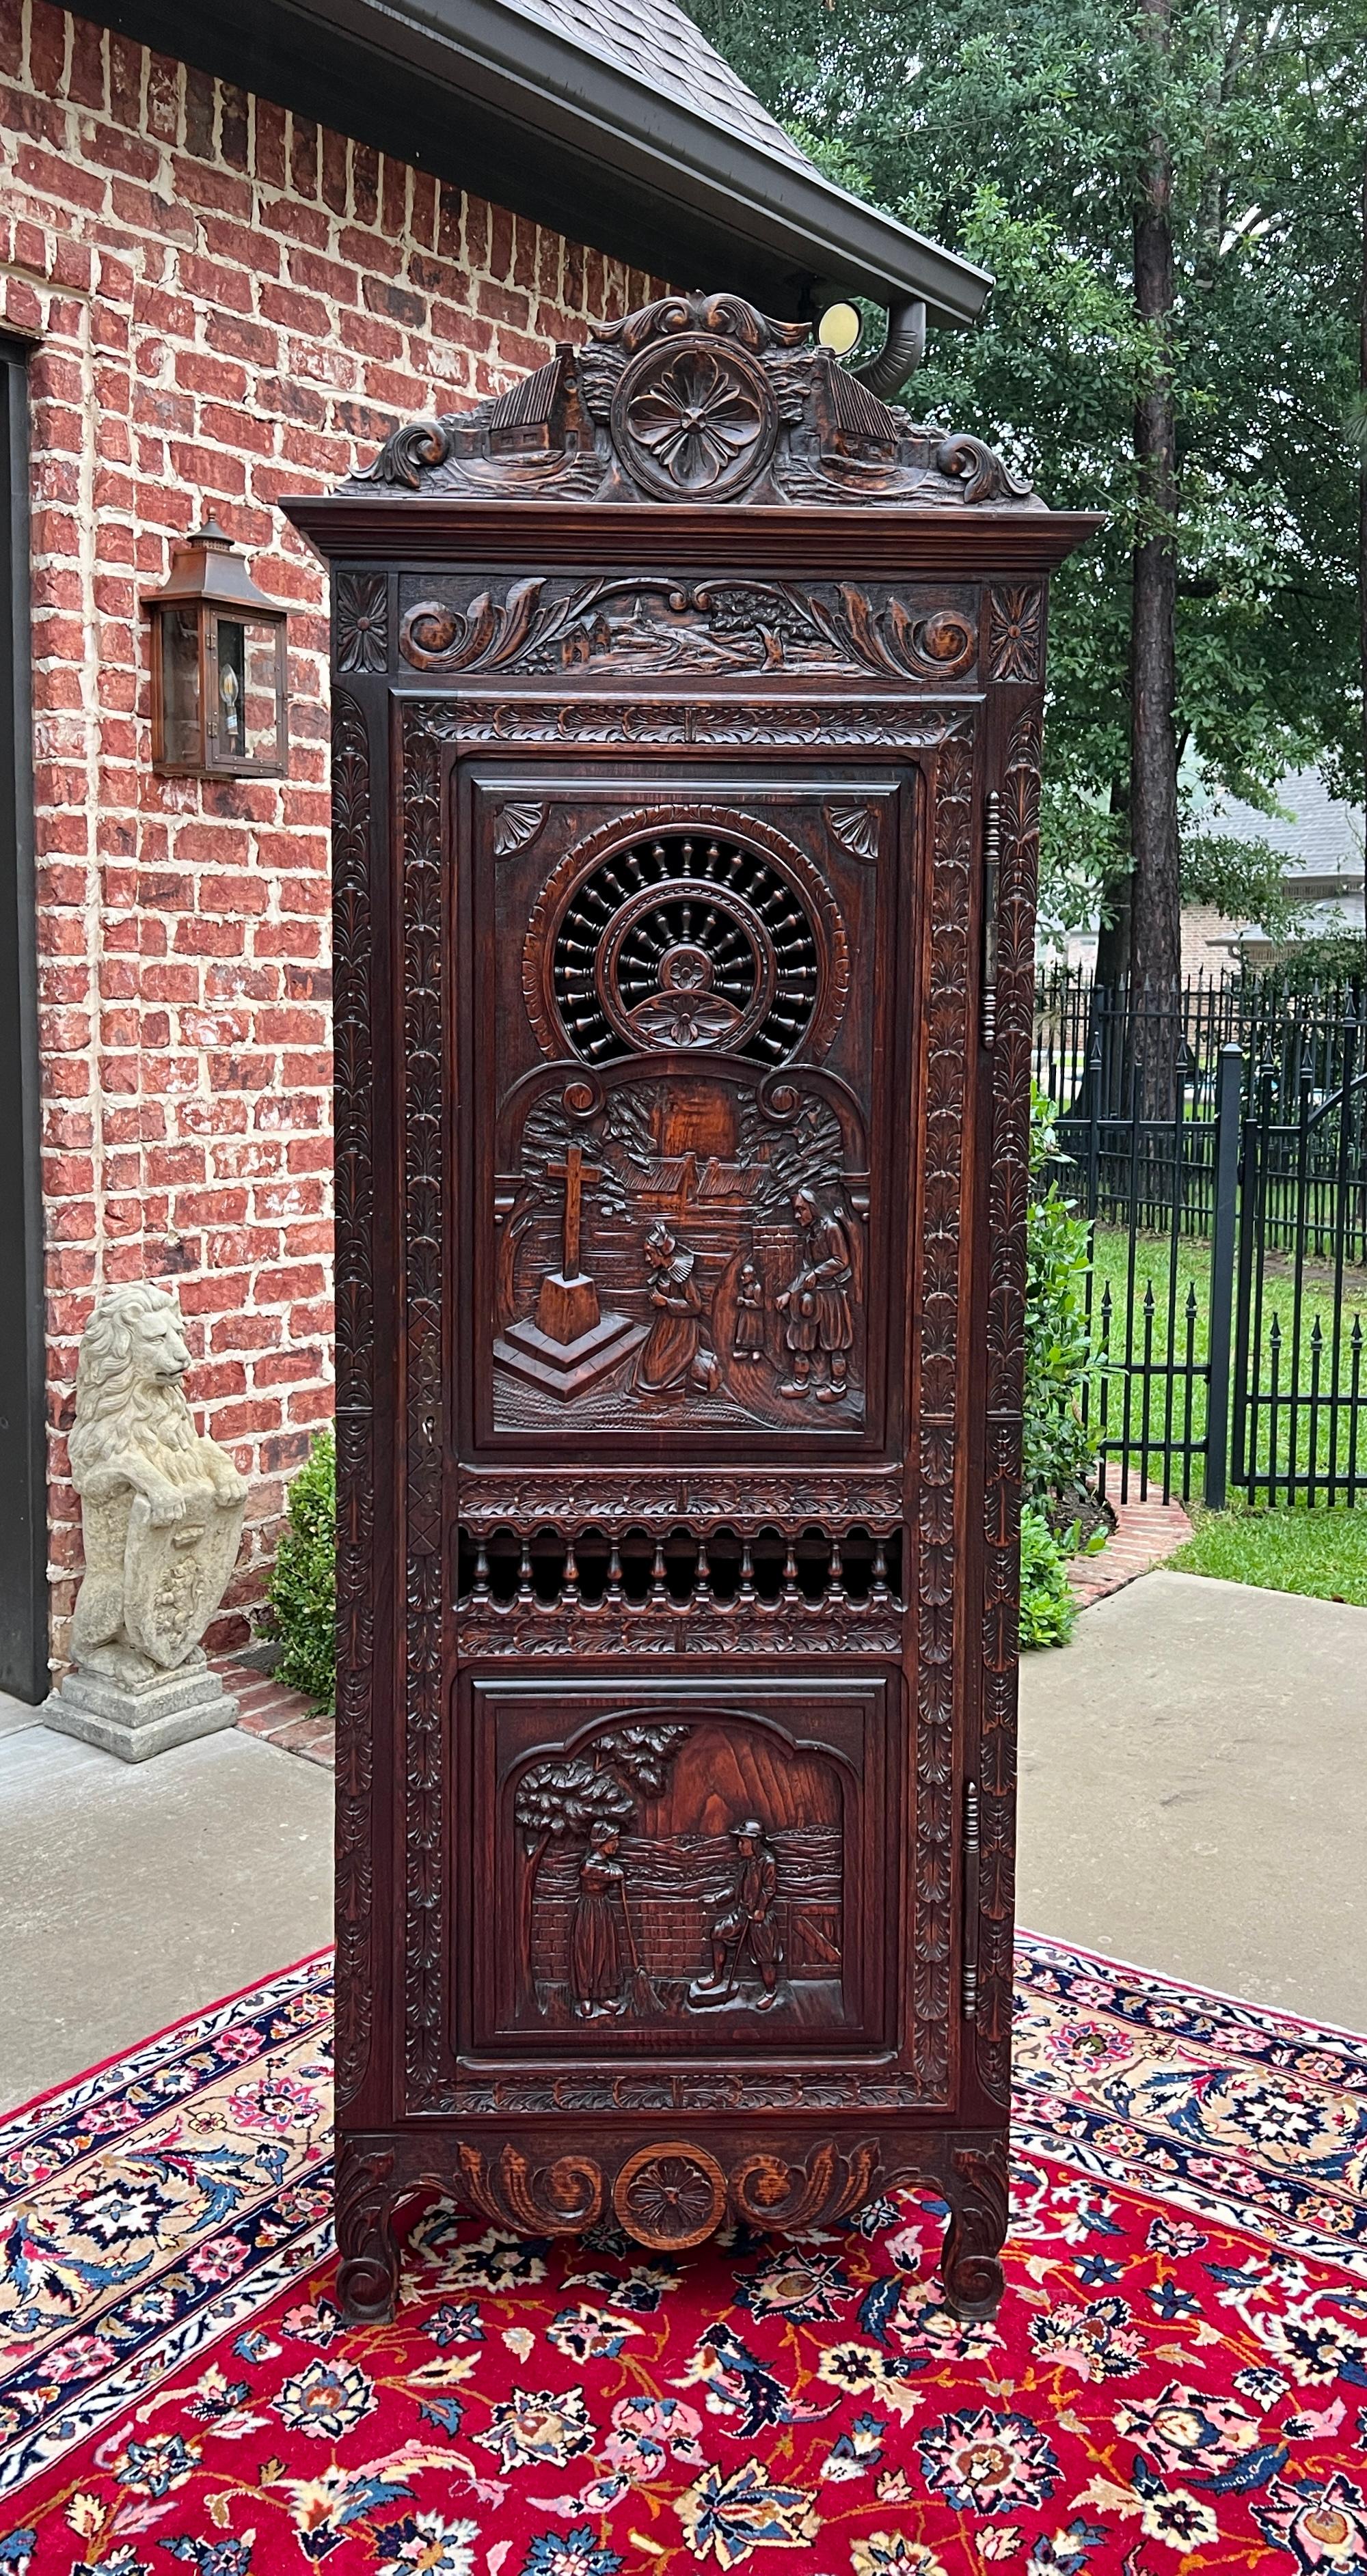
695 398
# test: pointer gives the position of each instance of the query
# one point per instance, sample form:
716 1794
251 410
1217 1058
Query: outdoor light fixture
839 328
218 666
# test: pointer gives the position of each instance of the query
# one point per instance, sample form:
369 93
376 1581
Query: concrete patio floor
1193 1791
134 1892
1193 1798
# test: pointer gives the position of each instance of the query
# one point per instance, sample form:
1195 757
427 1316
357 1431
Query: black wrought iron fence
1134 1076
1229 1285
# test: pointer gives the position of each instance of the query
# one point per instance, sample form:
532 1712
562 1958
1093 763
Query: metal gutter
500 103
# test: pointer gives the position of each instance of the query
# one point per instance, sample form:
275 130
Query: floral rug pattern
1177 2379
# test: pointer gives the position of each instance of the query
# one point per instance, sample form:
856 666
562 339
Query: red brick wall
227 304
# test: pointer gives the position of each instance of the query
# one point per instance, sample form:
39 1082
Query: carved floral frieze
669 624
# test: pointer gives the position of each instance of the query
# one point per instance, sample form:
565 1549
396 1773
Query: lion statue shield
161 1507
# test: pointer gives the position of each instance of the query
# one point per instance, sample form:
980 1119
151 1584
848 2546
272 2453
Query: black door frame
23 1359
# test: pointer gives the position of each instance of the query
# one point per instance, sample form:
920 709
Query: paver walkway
1143 1535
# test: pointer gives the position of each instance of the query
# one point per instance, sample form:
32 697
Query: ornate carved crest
695 398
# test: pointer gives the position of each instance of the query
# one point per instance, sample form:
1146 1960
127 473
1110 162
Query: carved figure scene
161 1507
679 1874
718 1244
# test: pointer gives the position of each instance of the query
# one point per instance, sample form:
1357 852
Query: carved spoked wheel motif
669 2198
686 940
694 421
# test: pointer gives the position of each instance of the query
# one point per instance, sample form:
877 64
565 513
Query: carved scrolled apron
687 714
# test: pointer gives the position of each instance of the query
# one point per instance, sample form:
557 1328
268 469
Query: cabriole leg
970 2267
368 2271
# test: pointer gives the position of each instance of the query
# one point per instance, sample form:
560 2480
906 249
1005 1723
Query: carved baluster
792 1596
878 1589
835 1575
525 1595
613 1595
659 1590
702 1580
569 1577
746 1596
481 1590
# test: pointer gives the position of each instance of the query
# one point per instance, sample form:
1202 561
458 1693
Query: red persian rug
1177 2379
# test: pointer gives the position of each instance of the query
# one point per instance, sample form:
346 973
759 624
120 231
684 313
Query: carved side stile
355 1217
940 1248
425 1118
1009 1191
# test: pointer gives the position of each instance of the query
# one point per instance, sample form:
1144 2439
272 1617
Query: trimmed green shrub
302 1593
1048 1603
1059 1356
1058 1340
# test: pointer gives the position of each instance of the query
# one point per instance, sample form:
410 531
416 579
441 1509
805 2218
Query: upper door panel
682 1194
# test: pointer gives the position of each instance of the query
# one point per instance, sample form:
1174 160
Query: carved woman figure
747 1339
820 1326
673 1352
596 1943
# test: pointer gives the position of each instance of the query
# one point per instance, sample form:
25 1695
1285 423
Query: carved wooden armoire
686 732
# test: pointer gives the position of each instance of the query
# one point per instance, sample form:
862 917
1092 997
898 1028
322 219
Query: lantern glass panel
182 745
247 709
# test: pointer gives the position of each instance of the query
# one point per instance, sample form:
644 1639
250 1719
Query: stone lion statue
161 1508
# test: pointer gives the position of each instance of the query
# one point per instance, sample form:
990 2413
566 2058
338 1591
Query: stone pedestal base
136 1720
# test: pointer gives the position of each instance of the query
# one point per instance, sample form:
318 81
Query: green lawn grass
1320 1552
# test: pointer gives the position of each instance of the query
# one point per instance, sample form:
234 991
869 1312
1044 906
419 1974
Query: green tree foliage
302 1593
1021 138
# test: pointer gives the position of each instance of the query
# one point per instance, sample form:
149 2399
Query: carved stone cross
574 1171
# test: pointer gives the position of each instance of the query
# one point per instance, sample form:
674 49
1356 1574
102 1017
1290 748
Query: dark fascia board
499 104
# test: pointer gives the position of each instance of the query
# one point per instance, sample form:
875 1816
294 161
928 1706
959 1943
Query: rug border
122 2056
1192 1986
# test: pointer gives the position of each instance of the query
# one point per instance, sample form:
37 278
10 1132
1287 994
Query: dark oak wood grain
685 777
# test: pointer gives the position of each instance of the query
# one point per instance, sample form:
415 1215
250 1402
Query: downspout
903 349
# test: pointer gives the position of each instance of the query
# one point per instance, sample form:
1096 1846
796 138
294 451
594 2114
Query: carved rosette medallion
670 2197
362 621
1015 632
694 419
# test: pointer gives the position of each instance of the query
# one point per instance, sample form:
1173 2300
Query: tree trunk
1155 923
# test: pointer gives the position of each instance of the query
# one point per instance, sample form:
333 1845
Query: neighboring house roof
1319 840
1322 838
612 121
